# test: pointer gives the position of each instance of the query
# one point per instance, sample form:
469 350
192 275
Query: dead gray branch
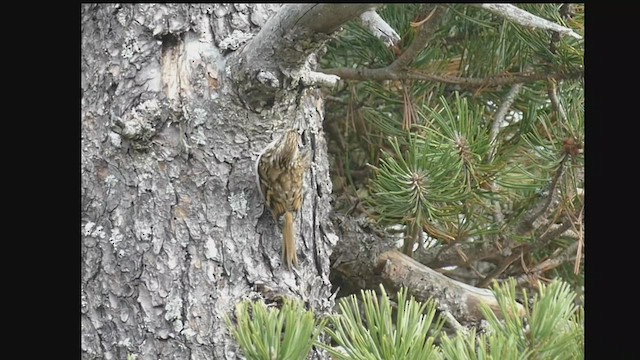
525 18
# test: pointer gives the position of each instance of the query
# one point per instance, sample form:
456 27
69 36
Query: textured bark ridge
172 229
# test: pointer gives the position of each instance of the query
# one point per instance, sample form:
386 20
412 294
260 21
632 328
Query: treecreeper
280 176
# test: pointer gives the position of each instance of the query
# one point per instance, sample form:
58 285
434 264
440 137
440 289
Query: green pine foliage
552 328
267 333
428 154
439 174
372 327
384 332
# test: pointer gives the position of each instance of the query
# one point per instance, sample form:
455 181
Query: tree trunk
172 229
178 101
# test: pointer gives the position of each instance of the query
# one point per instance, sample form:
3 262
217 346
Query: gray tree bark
172 229
178 101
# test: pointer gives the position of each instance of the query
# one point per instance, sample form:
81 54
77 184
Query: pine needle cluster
372 326
475 155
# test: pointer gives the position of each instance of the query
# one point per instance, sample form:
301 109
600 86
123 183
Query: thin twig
455 324
552 90
419 42
544 202
527 19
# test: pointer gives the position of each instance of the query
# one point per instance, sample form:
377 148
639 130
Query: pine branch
541 242
386 73
397 69
527 224
524 18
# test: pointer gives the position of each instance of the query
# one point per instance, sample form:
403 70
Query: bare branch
580 230
283 47
379 28
398 270
568 254
448 317
325 18
527 19
363 259
310 78
280 39
383 74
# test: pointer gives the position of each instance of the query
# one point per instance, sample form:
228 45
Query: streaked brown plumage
280 170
